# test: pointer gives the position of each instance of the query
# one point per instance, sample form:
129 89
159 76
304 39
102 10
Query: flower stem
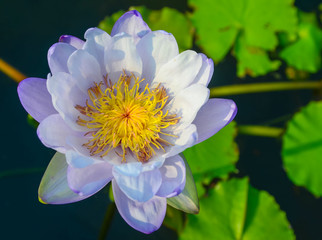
261 131
107 221
263 87
11 72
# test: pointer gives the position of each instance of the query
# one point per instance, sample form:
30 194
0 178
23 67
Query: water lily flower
120 108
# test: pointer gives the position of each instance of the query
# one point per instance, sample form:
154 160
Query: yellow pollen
121 115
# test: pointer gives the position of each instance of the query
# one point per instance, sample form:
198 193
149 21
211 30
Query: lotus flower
120 108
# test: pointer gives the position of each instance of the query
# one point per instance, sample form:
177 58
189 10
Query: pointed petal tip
135 12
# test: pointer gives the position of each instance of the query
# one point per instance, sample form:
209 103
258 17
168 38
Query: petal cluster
140 185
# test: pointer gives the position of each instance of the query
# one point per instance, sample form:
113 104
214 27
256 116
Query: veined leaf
305 52
233 210
220 23
302 148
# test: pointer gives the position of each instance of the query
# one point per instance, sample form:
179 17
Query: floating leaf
253 60
166 19
233 210
302 148
219 25
215 157
187 200
305 53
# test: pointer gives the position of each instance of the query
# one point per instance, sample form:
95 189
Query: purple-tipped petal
53 132
206 71
156 49
53 187
35 98
145 217
90 179
139 188
173 174
131 23
58 55
71 40
213 116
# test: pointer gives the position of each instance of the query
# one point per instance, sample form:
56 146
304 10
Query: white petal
188 102
179 72
121 56
65 96
205 72
139 188
156 49
58 55
146 216
186 138
96 42
213 116
85 68
53 132
173 174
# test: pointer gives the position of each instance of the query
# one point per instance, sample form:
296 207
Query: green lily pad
302 148
166 19
253 60
215 157
219 25
305 53
233 210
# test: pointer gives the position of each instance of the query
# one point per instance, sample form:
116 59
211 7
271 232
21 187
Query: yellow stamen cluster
121 115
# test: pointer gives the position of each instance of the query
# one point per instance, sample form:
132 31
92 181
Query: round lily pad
234 210
250 24
302 148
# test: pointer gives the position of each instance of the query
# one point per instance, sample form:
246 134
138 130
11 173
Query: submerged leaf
302 148
233 210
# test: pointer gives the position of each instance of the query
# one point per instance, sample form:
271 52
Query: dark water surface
28 29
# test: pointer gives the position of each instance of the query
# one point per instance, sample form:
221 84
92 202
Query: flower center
127 117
